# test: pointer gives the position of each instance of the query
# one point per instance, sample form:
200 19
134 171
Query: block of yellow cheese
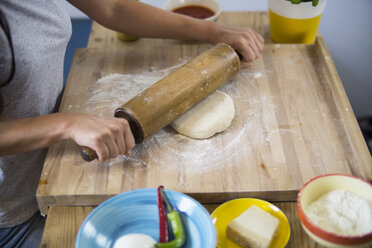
254 228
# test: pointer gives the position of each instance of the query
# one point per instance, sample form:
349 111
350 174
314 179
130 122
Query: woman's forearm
143 20
136 18
22 135
147 21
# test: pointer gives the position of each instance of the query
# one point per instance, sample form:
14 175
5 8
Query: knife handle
88 154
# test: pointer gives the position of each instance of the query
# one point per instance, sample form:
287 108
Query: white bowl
320 185
210 4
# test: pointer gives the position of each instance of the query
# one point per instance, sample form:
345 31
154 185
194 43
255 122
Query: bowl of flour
335 210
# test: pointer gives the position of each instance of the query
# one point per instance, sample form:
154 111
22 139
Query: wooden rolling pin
170 97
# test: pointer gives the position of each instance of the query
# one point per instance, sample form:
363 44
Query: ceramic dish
210 4
228 211
323 184
137 212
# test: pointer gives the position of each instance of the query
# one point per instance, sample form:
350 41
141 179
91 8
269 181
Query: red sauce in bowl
196 11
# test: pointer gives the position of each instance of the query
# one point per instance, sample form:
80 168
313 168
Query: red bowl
320 185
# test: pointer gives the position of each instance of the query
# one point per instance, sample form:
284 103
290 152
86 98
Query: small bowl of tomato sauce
207 10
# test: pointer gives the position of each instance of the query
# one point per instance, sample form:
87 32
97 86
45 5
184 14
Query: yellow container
126 37
294 23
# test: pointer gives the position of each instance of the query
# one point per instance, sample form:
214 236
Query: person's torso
40 31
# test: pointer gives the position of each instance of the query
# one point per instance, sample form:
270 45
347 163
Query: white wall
346 27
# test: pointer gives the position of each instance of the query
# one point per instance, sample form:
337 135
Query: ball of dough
212 115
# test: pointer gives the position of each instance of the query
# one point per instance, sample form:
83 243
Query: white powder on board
342 212
198 155
277 131
257 75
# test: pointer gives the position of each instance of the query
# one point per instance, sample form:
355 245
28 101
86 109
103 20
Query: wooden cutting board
292 122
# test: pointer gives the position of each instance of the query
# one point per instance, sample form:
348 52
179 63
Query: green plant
315 2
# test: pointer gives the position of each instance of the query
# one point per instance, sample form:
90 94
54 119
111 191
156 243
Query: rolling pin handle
88 154
135 126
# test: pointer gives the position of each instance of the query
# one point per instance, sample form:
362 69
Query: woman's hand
245 41
108 136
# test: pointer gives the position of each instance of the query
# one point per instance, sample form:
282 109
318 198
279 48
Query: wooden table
348 145
63 224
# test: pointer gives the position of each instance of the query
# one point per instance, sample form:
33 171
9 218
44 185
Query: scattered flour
342 212
257 75
277 131
198 155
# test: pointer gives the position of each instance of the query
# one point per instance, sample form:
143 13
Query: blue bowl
137 212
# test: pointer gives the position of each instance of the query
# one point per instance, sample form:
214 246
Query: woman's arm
140 19
108 136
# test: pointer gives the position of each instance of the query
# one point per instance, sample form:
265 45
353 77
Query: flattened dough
212 115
